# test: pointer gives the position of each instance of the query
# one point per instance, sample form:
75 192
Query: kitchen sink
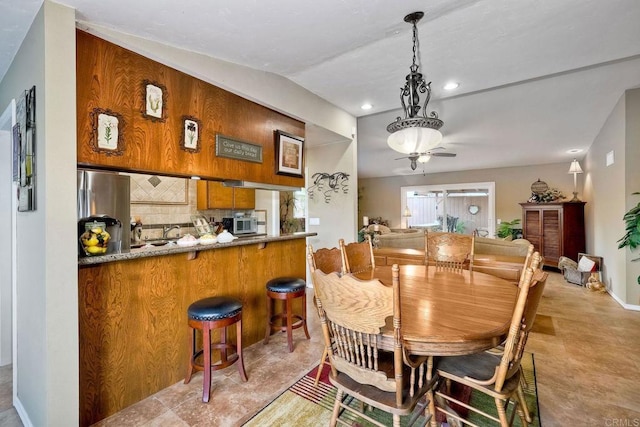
153 242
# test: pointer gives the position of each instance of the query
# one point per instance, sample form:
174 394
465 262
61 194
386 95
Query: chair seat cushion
214 308
479 366
286 284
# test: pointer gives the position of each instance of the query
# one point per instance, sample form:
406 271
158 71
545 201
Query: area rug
305 405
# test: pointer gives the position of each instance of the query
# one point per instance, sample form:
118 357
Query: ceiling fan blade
443 154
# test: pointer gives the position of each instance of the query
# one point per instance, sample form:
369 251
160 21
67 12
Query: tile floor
587 357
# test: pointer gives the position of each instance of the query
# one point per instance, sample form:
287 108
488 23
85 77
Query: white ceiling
538 77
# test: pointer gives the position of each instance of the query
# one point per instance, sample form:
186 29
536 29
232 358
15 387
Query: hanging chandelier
416 133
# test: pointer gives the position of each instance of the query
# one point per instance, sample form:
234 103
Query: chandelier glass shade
414 140
417 132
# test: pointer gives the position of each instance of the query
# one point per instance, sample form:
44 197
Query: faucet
166 230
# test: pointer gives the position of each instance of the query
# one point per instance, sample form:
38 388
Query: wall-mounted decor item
155 100
190 134
25 137
327 184
289 154
474 209
235 149
107 128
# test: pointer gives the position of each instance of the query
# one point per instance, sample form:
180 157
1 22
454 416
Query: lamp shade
575 167
407 212
414 140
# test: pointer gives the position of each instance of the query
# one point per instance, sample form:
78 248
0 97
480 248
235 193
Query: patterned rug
305 405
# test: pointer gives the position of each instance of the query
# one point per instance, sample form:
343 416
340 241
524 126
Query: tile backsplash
160 201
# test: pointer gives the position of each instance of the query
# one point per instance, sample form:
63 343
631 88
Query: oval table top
446 313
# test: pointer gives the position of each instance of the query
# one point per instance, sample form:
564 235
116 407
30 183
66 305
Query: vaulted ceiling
537 78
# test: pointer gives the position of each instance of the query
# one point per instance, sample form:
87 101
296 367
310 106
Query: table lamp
575 169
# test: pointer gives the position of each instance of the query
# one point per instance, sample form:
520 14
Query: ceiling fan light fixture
424 158
417 132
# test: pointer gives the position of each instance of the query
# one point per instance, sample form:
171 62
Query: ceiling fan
425 156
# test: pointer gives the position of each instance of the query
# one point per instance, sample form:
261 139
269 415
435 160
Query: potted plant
505 229
632 228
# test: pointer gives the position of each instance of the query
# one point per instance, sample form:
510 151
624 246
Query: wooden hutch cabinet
554 229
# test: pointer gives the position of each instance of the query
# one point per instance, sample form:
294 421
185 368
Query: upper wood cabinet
112 80
554 229
214 195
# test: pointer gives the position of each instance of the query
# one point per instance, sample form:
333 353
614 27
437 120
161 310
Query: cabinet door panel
244 198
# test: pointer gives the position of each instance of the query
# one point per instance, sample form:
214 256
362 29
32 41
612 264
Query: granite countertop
175 249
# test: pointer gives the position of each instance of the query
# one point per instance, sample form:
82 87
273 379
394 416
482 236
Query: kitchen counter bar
176 249
133 312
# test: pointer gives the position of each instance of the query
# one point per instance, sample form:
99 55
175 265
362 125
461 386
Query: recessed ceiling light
451 86
574 150
366 106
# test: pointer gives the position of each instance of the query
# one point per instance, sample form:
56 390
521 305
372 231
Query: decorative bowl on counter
225 237
187 240
208 239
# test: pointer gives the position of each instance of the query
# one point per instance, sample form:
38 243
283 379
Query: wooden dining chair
327 261
352 312
357 257
449 251
494 375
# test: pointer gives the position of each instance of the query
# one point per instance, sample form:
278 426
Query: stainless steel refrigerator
106 193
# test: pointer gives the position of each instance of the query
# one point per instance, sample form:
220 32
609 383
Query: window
458 208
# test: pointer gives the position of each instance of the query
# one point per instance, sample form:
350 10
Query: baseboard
26 421
632 307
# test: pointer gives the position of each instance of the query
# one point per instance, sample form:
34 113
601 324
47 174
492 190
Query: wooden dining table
447 313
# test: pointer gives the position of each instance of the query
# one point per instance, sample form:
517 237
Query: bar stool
286 289
208 314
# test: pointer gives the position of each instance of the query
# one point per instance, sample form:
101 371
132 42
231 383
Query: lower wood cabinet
554 229
214 195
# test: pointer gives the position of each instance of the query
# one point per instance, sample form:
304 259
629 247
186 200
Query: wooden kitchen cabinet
554 229
214 195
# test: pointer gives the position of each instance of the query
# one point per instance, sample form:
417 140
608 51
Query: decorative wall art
235 149
24 140
107 128
155 99
327 184
190 134
289 149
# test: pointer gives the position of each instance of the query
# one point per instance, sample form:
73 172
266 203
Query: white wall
604 187
337 216
47 358
609 188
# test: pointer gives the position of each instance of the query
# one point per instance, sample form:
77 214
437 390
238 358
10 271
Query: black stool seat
207 315
214 308
286 289
286 284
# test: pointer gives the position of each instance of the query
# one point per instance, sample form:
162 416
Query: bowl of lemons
95 239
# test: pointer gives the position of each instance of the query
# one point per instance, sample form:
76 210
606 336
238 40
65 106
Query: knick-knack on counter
225 237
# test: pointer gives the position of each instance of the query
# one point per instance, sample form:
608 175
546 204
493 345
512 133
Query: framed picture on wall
190 134
289 152
155 99
107 128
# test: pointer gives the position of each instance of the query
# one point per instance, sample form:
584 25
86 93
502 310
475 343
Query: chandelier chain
414 67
